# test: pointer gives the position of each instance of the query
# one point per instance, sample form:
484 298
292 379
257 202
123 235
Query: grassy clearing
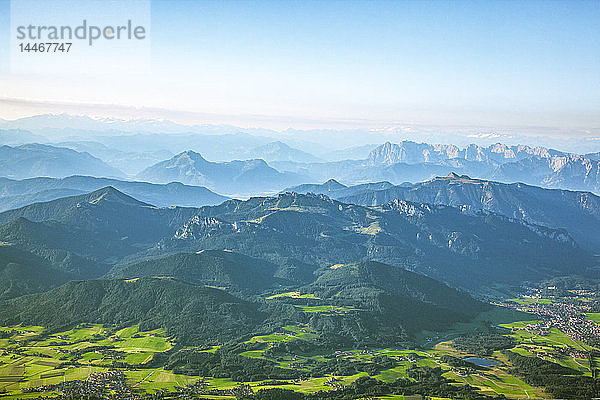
294 295
128 332
324 309
373 229
594 317
273 338
531 300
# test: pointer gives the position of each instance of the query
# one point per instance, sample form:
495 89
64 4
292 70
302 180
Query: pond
481 362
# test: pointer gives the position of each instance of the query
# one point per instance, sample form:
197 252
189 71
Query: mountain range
144 150
130 161
534 165
278 151
413 237
109 234
577 212
461 247
416 162
298 235
18 193
415 153
33 160
236 177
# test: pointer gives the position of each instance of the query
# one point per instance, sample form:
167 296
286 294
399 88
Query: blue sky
377 63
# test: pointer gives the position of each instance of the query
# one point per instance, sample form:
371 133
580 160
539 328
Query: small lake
481 362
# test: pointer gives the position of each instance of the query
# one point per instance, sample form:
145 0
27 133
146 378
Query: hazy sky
295 64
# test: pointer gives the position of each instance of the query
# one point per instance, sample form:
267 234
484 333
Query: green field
324 309
294 295
594 317
530 300
41 358
32 358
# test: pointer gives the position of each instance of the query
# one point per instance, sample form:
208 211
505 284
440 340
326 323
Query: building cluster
109 384
567 315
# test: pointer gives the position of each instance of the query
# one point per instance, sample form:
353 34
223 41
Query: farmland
34 360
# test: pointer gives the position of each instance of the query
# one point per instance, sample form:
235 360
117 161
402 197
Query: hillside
225 269
351 308
23 273
471 249
191 314
390 304
78 252
86 235
343 281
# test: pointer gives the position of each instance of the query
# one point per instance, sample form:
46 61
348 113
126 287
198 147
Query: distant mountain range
577 212
15 194
235 177
82 237
136 147
416 153
15 137
33 160
534 165
111 215
414 162
278 151
130 162
221 147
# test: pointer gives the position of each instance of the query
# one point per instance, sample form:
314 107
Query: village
569 315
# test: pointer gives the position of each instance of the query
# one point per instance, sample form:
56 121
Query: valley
126 361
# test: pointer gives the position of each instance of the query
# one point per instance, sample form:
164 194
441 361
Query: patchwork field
33 359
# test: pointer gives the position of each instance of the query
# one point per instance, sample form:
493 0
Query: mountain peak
277 144
332 184
110 194
453 176
190 154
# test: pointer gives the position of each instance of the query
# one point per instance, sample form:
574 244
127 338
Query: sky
529 66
